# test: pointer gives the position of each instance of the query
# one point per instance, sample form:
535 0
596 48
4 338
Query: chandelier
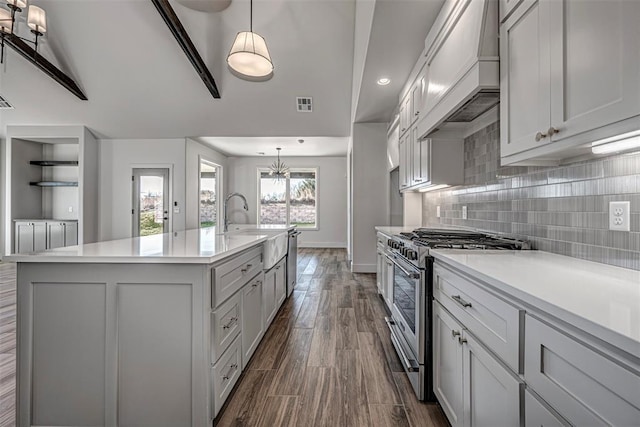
249 56
36 20
278 169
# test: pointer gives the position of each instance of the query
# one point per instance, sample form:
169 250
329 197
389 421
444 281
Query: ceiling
141 85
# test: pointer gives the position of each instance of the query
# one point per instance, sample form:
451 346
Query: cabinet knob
455 333
462 340
552 131
540 136
247 268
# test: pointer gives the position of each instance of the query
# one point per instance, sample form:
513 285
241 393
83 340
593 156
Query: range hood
463 63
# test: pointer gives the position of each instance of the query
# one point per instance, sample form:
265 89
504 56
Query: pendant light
278 169
36 20
249 55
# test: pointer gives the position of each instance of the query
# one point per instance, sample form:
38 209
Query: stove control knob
389 242
403 251
412 255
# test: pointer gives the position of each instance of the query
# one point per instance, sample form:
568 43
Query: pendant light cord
251 15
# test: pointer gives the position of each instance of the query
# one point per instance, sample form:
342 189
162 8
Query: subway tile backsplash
559 209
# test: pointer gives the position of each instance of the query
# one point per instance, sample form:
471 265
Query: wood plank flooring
326 360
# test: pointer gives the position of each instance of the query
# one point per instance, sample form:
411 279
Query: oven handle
413 275
410 367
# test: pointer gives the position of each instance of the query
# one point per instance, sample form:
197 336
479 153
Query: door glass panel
151 205
208 196
303 208
404 296
273 200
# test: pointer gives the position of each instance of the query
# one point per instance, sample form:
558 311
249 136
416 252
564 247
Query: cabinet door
23 237
524 78
252 321
538 415
55 235
403 163
447 364
379 262
409 159
269 297
425 160
281 284
595 64
39 236
389 283
486 382
403 118
70 233
416 160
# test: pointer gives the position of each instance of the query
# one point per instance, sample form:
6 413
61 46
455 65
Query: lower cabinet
281 282
538 414
468 380
252 322
274 290
38 236
226 372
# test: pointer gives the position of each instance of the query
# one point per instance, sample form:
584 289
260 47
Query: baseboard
340 245
364 268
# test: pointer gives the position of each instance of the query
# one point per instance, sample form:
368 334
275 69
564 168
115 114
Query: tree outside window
289 201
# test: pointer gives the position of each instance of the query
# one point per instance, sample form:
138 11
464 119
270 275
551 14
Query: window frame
218 178
315 170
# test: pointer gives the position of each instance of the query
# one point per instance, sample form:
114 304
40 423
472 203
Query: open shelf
54 184
54 162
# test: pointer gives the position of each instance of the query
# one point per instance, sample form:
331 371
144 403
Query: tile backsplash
559 209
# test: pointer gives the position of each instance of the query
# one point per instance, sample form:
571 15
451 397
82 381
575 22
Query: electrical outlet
70 209
619 216
464 212
437 211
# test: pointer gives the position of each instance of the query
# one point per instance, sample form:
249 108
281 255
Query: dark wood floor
326 360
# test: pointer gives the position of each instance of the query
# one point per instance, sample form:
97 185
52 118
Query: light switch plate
619 216
70 209
438 211
464 212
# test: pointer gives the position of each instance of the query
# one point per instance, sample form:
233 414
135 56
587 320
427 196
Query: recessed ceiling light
384 81
301 141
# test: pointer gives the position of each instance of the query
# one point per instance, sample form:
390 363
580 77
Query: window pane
208 208
151 205
303 209
273 204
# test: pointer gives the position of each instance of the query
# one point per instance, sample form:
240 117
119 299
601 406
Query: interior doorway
150 201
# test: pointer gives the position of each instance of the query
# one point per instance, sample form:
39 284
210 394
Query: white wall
195 152
332 195
117 159
370 200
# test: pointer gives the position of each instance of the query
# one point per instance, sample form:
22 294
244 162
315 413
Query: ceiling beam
47 67
183 39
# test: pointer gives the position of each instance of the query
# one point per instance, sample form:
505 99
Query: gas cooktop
461 239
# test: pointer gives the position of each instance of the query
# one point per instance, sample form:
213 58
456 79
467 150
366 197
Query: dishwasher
292 260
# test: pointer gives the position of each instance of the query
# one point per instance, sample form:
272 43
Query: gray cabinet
269 296
41 235
252 322
281 282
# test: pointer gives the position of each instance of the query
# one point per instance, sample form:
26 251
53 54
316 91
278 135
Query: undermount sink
275 247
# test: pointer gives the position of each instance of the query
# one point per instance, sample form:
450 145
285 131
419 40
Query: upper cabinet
570 75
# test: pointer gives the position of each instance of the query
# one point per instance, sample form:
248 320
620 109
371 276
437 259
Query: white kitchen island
136 332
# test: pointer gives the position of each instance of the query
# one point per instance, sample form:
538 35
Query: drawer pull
460 301
247 268
230 324
228 375
455 333
258 282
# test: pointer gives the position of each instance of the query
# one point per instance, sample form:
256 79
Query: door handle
165 218
459 300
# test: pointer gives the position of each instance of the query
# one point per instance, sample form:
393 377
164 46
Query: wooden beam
183 39
47 67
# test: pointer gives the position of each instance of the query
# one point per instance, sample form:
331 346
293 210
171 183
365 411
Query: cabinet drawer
232 275
536 414
494 321
225 325
584 386
225 373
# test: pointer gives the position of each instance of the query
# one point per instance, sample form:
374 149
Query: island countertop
600 299
199 246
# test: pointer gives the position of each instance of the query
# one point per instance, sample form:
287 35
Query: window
290 201
209 173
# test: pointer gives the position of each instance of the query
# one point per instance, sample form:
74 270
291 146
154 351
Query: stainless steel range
410 321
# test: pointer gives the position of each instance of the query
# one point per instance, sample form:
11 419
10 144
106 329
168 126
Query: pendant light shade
5 21
249 55
37 19
17 3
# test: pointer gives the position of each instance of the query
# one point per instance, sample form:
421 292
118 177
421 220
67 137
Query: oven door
409 306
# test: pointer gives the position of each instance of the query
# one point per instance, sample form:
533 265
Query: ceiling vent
4 104
304 104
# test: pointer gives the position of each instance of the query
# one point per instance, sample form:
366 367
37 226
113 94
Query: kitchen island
141 331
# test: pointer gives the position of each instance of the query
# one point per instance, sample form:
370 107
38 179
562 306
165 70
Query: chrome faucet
226 203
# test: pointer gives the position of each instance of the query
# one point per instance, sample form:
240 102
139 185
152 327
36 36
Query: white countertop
600 299
200 246
268 227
